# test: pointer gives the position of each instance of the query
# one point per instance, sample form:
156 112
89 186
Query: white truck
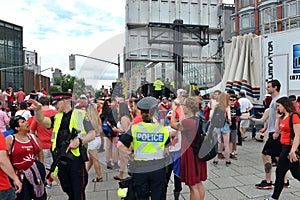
281 60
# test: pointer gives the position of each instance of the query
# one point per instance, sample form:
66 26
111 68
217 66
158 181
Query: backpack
206 145
107 130
218 119
292 133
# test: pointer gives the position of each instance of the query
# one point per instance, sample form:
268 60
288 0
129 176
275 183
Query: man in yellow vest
149 142
71 167
158 87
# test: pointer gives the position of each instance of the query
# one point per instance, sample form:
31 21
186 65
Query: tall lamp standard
40 75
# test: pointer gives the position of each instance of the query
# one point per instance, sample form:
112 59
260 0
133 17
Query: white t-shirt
24 113
244 104
176 141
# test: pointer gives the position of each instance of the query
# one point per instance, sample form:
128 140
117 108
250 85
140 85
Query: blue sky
56 29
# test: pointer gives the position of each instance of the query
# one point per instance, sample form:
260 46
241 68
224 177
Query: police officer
149 142
71 168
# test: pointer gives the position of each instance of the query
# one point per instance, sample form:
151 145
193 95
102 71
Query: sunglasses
232 99
16 118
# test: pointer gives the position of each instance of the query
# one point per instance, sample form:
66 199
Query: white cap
83 96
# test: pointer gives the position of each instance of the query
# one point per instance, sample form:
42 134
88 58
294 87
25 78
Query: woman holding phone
288 159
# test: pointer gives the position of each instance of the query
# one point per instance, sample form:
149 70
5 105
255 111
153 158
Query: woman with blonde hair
223 105
94 145
192 170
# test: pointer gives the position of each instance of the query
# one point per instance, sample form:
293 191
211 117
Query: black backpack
206 145
292 133
218 119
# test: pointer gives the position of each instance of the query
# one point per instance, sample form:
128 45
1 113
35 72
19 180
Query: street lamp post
72 62
40 75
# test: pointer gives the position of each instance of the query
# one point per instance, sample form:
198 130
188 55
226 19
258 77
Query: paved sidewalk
224 183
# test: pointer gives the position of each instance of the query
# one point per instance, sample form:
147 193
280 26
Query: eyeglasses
16 118
232 99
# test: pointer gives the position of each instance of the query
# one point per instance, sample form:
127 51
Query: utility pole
72 62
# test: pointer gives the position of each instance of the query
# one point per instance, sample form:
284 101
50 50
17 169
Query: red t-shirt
4 183
20 96
44 134
285 129
23 154
137 119
10 98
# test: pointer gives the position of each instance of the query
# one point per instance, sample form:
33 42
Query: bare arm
263 119
125 123
296 142
277 124
6 166
90 136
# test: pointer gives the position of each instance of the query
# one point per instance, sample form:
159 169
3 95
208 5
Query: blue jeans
9 194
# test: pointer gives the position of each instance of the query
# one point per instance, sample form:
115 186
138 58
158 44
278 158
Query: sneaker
49 185
116 166
264 185
287 184
221 156
228 163
109 165
232 156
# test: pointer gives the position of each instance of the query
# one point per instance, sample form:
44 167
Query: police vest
158 84
149 141
76 122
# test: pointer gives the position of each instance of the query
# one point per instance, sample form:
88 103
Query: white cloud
56 29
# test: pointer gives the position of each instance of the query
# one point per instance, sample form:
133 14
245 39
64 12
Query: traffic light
72 63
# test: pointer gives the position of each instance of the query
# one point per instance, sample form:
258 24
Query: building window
245 21
233 24
246 3
269 15
292 9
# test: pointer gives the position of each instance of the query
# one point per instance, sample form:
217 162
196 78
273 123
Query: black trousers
177 182
282 167
149 184
73 177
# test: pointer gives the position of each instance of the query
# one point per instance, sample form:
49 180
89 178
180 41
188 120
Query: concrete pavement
224 183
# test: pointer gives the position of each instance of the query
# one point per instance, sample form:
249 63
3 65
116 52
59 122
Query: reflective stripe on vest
149 145
76 122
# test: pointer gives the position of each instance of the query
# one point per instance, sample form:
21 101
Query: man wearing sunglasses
71 167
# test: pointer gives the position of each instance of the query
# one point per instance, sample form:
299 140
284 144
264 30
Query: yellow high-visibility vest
76 122
158 84
149 141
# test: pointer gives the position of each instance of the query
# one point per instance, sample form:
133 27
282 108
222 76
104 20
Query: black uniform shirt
64 126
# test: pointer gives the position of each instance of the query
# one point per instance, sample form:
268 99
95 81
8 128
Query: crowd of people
150 137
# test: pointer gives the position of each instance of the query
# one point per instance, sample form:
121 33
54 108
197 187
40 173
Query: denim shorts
223 130
9 194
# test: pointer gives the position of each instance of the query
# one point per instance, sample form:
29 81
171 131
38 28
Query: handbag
107 130
35 175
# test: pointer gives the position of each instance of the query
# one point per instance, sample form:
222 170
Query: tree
66 81
79 87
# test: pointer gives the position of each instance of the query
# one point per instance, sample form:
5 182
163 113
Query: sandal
97 180
118 178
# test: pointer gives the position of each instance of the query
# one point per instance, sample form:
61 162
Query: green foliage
99 93
66 81
79 87
54 88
